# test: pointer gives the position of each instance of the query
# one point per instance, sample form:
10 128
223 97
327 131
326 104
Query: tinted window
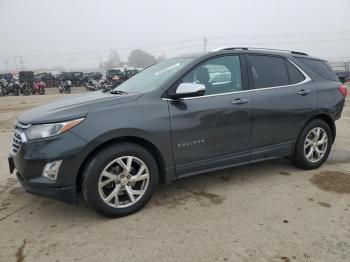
268 71
219 75
319 67
295 76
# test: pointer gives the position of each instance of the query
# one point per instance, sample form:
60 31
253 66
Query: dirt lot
269 211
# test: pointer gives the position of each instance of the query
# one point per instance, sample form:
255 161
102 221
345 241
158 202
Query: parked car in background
174 120
75 77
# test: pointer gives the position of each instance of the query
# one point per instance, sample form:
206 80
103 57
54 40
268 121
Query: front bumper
66 194
33 155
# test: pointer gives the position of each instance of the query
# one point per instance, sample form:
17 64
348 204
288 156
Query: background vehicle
173 121
7 76
65 86
92 76
75 77
48 78
113 73
39 87
26 78
13 87
3 85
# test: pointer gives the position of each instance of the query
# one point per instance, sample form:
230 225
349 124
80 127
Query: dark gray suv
177 118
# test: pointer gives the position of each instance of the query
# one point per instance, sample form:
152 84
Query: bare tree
140 58
113 60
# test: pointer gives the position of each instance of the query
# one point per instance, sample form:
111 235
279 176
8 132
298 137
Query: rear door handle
240 101
304 92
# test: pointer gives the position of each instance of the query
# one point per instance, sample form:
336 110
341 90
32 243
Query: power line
186 41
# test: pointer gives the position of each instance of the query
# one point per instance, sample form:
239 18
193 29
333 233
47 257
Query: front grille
18 137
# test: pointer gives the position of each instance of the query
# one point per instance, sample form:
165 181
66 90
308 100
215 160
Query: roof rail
259 48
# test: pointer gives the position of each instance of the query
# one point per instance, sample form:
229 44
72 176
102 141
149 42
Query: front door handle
240 101
304 92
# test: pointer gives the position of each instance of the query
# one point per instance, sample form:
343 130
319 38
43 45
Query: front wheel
314 145
120 179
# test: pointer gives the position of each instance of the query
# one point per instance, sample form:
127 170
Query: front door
213 130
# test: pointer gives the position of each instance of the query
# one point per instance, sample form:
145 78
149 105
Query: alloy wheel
315 145
123 181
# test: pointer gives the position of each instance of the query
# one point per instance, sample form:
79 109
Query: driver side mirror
188 90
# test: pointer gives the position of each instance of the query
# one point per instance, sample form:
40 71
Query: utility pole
21 62
19 59
15 60
205 42
6 63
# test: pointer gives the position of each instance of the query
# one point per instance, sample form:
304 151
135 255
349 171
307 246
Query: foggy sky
80 33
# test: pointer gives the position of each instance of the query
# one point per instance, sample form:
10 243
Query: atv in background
65 86
13 87
26 78
39 87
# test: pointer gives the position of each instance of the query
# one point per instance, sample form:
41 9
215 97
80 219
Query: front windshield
154 76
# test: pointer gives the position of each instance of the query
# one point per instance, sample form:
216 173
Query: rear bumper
66 194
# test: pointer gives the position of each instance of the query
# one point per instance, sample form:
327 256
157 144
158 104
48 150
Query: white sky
77 33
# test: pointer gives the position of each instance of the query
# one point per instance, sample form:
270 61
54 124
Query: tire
101 162
303 146
2 93
42 91
26 90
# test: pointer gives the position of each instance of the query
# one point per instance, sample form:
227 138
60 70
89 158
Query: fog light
51 170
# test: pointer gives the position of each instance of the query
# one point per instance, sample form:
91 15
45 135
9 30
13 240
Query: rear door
283 97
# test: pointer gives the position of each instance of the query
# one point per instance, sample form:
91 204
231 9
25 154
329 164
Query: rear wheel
314 145
120 179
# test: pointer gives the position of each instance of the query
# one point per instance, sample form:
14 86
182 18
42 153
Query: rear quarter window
319 67
295 76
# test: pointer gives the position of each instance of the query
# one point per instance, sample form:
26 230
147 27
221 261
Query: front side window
219 75
268 71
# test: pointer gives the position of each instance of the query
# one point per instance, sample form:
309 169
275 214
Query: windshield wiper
118 92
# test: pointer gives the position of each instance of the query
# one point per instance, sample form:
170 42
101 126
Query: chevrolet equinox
177 118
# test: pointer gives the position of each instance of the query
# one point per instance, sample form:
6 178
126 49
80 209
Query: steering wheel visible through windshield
154 76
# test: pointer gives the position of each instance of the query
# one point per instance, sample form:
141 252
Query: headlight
47 130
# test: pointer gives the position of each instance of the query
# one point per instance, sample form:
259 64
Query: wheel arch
325 117
145 143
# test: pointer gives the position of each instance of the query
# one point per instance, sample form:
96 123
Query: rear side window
319 67
268 71
295 76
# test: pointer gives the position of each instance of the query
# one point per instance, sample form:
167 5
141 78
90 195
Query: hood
74 107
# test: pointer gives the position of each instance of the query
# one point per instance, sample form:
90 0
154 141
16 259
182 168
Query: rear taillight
343 90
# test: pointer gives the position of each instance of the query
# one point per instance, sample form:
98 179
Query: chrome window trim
306 80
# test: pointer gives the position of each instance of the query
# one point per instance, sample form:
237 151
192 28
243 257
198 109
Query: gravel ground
268 211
